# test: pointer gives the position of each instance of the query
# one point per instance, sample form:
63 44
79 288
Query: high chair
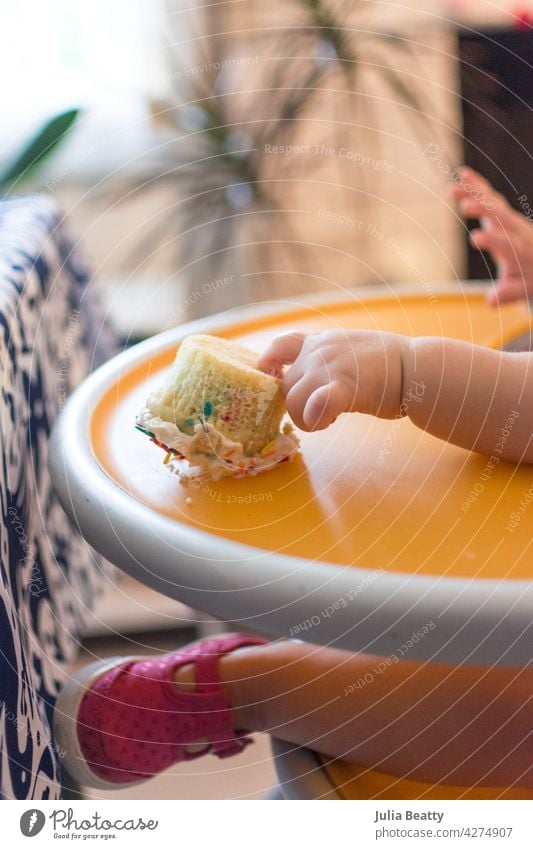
303 774
374 532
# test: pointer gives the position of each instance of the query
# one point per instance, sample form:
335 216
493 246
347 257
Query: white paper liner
208 454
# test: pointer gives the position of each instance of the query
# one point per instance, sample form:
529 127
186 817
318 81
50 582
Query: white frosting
208 453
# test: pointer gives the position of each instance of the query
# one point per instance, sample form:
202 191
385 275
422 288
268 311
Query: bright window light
103 56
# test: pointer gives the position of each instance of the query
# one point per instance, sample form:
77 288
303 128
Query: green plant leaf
39 148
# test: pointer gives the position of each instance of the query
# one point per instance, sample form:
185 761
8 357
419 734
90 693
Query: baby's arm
463 393
507 234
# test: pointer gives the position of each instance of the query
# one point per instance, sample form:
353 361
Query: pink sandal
122 720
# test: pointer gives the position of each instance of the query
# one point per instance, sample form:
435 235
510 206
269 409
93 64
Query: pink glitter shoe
123 720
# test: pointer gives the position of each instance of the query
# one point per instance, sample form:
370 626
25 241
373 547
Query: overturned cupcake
217 415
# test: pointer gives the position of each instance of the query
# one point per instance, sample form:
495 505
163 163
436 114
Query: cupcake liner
208 454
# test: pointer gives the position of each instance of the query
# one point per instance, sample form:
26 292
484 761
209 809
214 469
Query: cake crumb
188 500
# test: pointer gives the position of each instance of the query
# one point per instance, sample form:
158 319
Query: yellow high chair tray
375 530
376 537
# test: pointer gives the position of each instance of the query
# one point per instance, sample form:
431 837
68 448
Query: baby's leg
429 722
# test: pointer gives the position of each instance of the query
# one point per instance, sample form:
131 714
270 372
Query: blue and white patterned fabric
51 335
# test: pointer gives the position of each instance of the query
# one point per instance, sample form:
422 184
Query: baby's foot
123 720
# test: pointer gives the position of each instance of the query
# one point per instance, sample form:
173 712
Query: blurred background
211 155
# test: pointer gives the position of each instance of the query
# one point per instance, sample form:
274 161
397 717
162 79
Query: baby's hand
507 234
338 371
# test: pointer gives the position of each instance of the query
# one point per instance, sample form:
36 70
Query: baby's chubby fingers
471 186
325 404
282 351
501 216
314 401
497 242
474 184
339 371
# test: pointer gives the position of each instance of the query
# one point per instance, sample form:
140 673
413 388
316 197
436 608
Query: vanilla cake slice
218 411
